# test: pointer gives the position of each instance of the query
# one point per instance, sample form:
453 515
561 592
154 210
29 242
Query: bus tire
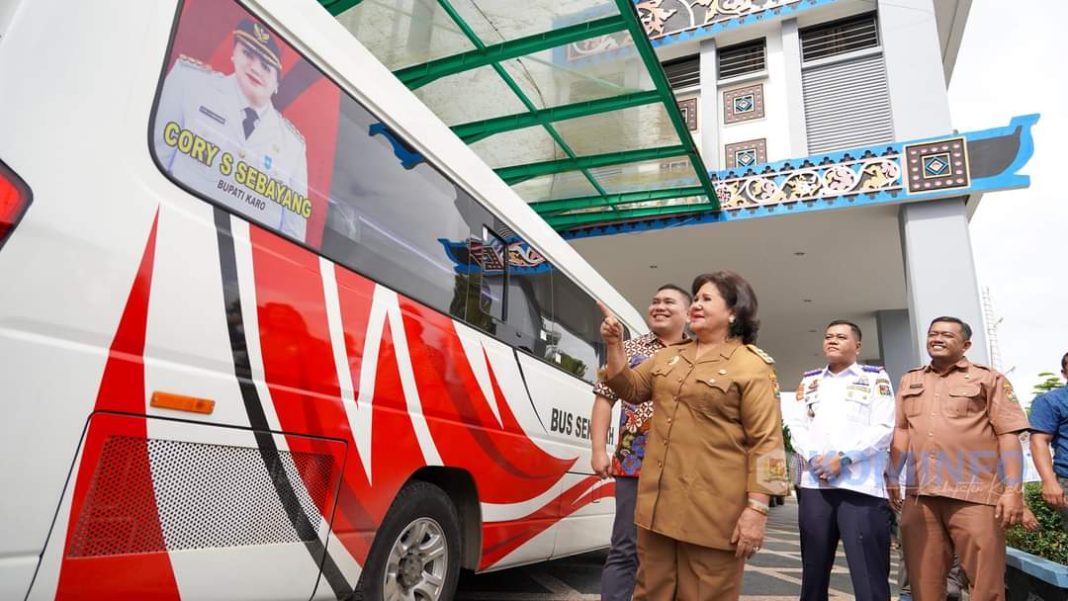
416 551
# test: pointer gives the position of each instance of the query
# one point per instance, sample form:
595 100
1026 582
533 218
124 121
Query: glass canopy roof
564 99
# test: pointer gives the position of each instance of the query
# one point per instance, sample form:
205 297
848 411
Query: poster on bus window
245 121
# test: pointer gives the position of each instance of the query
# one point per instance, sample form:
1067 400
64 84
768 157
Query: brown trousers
932 528
672 570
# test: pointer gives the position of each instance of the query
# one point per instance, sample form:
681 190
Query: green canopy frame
639 197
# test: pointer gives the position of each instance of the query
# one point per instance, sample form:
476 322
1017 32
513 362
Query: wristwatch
844 459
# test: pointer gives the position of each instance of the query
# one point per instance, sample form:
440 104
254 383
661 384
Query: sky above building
1009 65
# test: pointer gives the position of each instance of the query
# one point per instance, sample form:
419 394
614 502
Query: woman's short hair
740 299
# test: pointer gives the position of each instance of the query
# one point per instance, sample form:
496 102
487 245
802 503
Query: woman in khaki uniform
715 451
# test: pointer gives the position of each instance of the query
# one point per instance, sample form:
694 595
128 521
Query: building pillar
896 343
908 32
709 110
795 91
940 272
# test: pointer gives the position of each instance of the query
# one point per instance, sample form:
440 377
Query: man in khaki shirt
958 427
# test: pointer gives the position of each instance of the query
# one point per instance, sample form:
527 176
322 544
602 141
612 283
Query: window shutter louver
741 59
847 104
839 37
684 72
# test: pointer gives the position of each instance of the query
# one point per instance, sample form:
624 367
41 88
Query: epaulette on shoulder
811 372
293 128
920 368
760 353
189 61
871 369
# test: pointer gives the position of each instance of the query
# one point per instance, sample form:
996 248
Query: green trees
1050 540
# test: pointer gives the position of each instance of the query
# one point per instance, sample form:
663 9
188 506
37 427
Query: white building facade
846 190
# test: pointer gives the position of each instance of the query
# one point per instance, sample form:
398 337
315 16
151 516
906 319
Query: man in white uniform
843 433
221 136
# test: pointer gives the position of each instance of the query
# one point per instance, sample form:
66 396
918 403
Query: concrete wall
939 271
794 89
911 49
896 346
775 125
708 114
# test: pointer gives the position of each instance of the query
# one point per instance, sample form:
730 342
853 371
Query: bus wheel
416 552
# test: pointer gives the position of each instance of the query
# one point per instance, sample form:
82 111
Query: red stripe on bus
501 538
138 576
507 465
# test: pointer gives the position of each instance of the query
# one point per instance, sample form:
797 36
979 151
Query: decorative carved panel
937 165
665 17
742 155
847 177
688 108
743 104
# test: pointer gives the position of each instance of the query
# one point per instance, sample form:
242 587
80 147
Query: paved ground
774 574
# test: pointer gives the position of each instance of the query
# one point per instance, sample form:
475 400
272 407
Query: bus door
510 301
559 362
577 352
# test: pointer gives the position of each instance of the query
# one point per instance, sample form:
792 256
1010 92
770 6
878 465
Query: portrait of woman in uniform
220 130
715 454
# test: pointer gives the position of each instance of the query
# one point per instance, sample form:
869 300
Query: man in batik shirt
666 317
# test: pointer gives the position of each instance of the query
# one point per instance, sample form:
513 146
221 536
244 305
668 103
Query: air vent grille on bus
201 496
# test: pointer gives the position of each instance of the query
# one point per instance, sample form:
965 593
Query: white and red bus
293 350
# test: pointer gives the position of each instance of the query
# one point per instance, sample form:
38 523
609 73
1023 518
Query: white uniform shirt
851 412
211 106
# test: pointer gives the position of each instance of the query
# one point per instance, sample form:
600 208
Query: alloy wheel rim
418 562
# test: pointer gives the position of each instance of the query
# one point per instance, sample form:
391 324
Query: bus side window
530 298
509 289
396 224
577 346
493 288
484 280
